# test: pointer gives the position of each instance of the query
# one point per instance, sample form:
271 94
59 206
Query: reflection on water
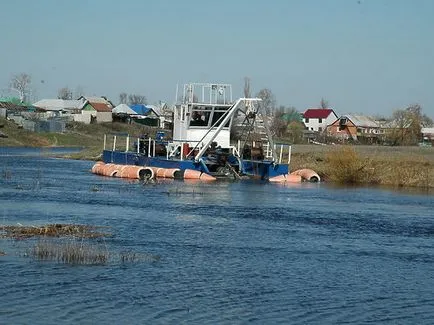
231 252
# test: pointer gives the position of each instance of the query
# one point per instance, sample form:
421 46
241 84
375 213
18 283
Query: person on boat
197 119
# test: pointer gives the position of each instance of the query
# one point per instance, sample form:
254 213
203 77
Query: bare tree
123 98
136 99
247 87
324 103
268 103
416 111
21 83
79 91
407 125
64 93
279 125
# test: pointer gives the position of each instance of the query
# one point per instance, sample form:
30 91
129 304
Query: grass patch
134 257
52 230
81 252
71 244
70 252
414 171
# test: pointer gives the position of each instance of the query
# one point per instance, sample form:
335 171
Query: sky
364 57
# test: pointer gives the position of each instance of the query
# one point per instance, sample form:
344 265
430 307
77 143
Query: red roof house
317 119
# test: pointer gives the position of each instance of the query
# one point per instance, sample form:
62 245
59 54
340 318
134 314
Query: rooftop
317 112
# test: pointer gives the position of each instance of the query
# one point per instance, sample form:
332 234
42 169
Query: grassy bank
90 137
380 165
377 165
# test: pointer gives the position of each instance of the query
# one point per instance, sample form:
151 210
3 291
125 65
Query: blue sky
367 56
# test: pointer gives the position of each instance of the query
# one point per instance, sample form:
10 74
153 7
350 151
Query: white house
58 107
317 119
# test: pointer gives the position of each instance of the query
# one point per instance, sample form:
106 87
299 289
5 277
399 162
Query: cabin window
218 115
306 120
320 120
200 116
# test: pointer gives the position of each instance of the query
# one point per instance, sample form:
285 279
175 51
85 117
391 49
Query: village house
96 109
60 107
85 109
317 119
355 127
428 136
151 115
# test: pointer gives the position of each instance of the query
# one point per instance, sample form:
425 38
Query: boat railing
180 149
125 143
283 151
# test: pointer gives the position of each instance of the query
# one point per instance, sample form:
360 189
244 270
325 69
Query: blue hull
261 169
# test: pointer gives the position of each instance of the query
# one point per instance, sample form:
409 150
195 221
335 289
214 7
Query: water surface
231 252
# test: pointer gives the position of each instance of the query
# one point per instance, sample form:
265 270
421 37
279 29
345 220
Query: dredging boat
201 147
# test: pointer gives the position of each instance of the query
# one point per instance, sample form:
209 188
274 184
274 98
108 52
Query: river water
229 252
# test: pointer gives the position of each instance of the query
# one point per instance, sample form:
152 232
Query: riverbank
374 165
90 137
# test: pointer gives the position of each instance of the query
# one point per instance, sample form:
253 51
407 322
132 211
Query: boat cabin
200 111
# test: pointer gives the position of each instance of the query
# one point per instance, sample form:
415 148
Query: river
229 252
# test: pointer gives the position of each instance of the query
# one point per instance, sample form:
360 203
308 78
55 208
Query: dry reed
70 252
52 230
346 166
76 252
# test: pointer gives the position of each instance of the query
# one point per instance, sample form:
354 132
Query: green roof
13 100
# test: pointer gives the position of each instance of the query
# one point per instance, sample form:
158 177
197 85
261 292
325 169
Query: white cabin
199 113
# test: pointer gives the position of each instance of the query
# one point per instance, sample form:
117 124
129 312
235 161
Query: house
10 108
355 127
146 114
428 135
60 107
123 109
123 113
317 119
31 118
96 109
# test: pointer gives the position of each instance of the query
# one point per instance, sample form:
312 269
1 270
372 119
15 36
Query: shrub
344 165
